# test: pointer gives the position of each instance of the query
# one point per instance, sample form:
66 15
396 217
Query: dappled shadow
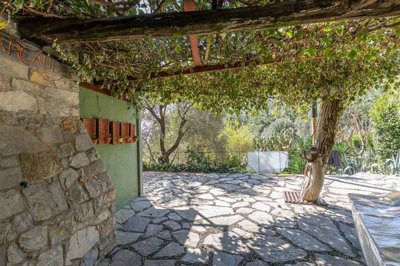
191 188
147 232
358 182
187 219
307 237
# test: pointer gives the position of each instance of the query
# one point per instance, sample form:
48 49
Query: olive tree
162 113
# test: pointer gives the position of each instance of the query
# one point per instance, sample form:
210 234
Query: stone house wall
57 202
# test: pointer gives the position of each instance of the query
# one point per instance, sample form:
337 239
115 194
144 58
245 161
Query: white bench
377 221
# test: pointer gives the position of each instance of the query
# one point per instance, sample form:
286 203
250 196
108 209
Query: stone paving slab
239 220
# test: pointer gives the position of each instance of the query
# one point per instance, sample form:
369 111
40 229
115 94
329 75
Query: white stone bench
377 221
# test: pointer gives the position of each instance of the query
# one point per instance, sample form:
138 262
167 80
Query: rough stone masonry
57 202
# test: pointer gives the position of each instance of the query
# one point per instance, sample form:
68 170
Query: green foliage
299 64
278 136
356 142
198 163
70 8
297 162
370 142
239 138
101 8
169 167
392 166
277 126
354 61
198 158
342 147
355 126
206 133
203 132
385 117
3 24
351 165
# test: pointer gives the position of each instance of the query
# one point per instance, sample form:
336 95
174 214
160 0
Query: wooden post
314 120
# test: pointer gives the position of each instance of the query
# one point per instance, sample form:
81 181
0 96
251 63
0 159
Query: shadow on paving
358 182
232 184
152 234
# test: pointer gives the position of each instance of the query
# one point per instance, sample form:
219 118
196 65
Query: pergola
43 31
30 49
218 20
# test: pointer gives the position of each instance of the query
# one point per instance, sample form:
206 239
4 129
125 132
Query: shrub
343 148
297 162
199 163
191 168
385 117
278 136
239 138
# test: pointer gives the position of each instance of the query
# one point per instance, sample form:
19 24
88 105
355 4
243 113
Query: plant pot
132 130
115 132
104 131
124 132
91 128
131 133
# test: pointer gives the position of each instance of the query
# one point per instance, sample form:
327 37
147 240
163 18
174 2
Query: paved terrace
239 219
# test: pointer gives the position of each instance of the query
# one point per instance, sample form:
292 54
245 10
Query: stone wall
56 199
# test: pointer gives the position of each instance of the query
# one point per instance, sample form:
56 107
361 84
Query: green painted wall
122 160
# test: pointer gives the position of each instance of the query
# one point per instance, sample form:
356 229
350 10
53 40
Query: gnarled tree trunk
318 155
159 113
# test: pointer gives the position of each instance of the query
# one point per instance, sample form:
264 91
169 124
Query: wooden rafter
271 15
190 6
203 69
95 88
220 67
190 71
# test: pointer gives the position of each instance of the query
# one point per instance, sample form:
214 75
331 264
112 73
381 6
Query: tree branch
181 131
150 151
158 8
150 108
43 14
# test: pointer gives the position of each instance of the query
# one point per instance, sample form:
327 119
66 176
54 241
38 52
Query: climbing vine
295 65
301 64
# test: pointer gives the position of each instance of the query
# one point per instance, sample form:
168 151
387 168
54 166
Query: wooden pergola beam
189 5
194 70
95 88
204 68
271 15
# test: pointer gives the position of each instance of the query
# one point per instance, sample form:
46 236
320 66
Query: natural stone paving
239 220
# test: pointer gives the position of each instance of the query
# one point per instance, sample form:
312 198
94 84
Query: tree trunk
160 117
164 158
318 155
